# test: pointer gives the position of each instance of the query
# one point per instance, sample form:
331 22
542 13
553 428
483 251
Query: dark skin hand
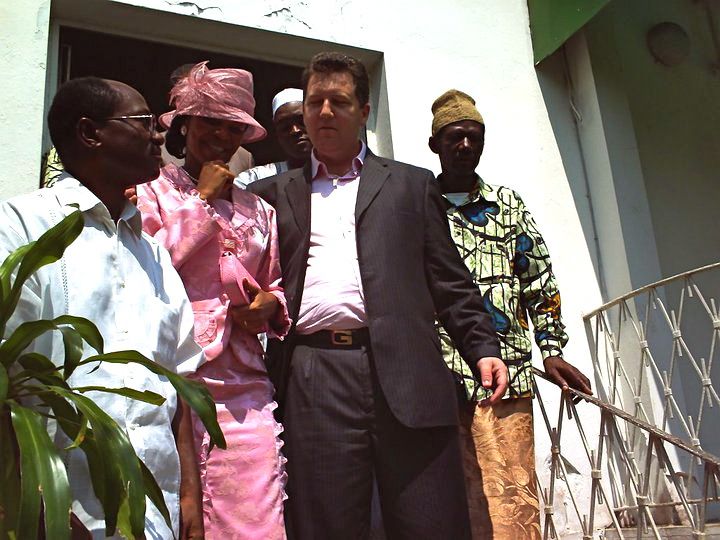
131 195
566 375
215 181
191 513
261 309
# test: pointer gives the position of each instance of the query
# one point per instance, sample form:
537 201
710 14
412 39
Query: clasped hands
254 316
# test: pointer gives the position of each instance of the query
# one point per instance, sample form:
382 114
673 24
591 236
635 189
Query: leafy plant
32 471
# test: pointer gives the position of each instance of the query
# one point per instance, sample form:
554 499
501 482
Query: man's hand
191 499
191 524
566 375
262 307
493 374
131 194
215 181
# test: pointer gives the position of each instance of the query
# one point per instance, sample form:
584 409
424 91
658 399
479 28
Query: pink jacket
200 235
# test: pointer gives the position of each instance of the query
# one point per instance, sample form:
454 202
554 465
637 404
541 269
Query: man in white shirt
120 279
291 135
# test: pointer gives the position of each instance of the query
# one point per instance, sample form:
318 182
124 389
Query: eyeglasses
149 121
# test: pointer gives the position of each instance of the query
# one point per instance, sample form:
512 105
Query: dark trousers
340 434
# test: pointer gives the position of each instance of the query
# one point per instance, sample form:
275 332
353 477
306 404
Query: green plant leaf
193 393
65 414
41 369
38 363
7 267
45 250
154 493
120 462
107 488
146 395
73 344
42 472
4 383
85 328
69 420
9 479
80 437
21 338
27 332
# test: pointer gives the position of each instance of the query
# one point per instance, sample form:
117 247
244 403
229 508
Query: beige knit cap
453 106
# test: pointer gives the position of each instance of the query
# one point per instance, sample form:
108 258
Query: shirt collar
481 190
71 192
320 172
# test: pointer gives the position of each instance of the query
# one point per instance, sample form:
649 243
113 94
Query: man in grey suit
368 264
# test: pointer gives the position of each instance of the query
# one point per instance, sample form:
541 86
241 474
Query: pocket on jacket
205 327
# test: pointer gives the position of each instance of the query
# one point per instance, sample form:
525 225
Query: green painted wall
552 22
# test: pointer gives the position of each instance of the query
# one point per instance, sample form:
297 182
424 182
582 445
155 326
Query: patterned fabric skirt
498 454
243 486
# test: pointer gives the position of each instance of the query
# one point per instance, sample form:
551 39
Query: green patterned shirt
52 168
508 259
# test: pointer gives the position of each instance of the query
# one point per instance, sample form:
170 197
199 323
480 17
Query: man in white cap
291 134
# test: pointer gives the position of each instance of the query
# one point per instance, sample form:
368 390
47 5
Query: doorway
146 66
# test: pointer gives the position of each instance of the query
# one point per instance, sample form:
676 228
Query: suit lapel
373 176
297 191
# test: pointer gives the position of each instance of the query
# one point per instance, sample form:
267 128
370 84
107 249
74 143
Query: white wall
23 61
676 113
479 46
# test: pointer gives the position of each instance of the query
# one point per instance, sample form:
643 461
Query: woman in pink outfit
223 243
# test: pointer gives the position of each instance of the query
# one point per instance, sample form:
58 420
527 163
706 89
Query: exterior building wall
482 48
417 51
677 129
23 63
675 114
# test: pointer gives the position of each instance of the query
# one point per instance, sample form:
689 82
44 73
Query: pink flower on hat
224 93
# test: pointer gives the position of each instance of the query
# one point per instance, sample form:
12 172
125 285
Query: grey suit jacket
411 273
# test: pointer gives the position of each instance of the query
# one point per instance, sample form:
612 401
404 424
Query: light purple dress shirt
333 297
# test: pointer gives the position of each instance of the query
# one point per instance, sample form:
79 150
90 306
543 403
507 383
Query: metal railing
655 421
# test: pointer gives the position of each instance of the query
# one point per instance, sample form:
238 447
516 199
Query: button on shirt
333 297
123 281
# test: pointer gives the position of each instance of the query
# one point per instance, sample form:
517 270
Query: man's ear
433 144
365 111
87 134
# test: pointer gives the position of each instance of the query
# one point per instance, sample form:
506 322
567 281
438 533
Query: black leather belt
335 339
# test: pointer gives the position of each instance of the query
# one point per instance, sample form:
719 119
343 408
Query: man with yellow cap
501 245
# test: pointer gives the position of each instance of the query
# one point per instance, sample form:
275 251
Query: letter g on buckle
341 337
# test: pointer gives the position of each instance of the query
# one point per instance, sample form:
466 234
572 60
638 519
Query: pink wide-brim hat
224 93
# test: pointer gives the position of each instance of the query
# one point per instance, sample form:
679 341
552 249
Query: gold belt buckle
341 337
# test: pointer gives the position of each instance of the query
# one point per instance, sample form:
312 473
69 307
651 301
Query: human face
129 149
459 146
291 132
211 139
333 117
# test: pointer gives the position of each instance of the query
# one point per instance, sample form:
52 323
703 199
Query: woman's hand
215 181
262 307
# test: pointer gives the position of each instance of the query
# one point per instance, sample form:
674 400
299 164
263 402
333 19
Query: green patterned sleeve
539 294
